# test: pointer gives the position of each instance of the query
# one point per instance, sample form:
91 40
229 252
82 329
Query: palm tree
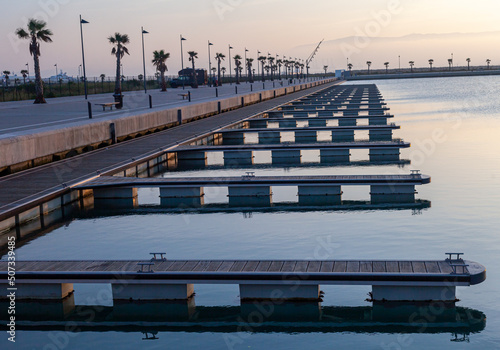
219 57
271 65
297 66
24 72
368 63
6 73
119 50
411 63
386 64
192 56
223 70
249 68
488 61
450 61
279 63
431 61
237 63
325 68
468 63
159 61
262 60
36 33
349 66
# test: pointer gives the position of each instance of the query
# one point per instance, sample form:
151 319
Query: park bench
109 104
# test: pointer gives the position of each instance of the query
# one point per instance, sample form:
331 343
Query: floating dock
162 279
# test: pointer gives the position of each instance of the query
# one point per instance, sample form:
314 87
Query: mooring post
236 90
89 106
179 116
218 107
216 92
189 96
150 102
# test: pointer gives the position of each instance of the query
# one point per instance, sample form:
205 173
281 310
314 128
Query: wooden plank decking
115 181
295 146
335 271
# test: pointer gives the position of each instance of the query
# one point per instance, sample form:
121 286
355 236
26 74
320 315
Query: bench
109 104
184 96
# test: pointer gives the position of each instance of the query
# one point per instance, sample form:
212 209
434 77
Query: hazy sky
284 27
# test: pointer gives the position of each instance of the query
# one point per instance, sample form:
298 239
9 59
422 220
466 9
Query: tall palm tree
119 50
431 61
219 57
159 61
325 68
488 61
411 63
249 68
368 63
349 66
279 63
386 64
271 65
450 61
6 73
24 73
192 56
223 70
468 63
262 60
36 33
237 63
297 66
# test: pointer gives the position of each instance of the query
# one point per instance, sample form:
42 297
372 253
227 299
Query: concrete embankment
29 150
424 75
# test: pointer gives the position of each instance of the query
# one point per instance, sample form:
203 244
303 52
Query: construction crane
310 58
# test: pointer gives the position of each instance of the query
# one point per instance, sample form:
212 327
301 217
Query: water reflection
153 317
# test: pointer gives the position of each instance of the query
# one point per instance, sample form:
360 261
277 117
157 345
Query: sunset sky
283 27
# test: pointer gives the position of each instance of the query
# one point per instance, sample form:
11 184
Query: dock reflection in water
262 317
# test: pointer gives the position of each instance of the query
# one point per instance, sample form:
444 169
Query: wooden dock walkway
295 146
246 180
285 279
311 128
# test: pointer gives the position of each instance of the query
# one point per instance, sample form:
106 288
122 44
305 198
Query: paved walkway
23 117
25 189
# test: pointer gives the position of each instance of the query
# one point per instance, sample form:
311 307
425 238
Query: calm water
453 126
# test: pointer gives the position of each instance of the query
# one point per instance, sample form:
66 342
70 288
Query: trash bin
119 99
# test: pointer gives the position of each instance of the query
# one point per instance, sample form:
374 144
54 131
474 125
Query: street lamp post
210 63
182 56
28 70
230 47
55 65
82 21
258 68
144 58
246 64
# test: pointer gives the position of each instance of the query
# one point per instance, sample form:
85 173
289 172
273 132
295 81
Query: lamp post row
82 21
